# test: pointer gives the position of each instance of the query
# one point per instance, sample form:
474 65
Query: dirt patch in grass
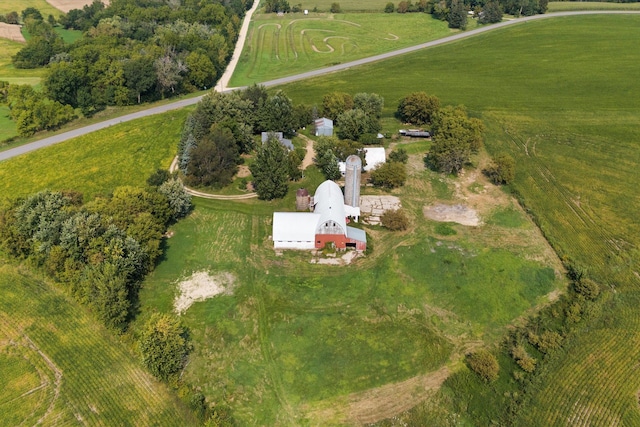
243 171
460 214
11 32
67 5
201 286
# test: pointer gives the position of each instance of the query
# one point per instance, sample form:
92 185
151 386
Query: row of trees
100 250
442 9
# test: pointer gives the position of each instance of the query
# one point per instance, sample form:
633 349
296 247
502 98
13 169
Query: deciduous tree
164 345
418 108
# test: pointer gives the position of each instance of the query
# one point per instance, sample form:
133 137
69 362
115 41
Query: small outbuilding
280 136
324 127
373 156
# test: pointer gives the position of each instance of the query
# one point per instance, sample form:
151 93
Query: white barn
326 224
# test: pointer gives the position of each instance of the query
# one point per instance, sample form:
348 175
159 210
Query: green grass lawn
125 154
7 126
58 366
562 6
10 74
281 46
574 131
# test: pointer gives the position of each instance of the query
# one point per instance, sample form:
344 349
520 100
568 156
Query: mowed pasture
281 46
550 100
125 154
59 367
297 340
8 72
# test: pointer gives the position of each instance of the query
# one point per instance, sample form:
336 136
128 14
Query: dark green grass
281 46
43 334
7 126
69 36
125 154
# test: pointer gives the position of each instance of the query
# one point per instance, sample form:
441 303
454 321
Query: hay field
59 367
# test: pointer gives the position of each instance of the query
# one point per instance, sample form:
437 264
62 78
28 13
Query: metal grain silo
352 178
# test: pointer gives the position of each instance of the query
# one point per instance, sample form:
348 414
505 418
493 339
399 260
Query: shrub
335 8
549 341
502 170
164 346
159 177
395 220
587 288
389 175
523 359
399 155
179 199
389 8
484 364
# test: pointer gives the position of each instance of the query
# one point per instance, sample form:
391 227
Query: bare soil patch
11 32
201 286
460 214
67 5
243 171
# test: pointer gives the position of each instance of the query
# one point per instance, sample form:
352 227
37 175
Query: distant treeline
132 50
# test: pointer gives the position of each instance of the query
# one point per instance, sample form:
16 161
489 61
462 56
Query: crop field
561 6
301 341
59 367
45 8
575 134
281 46
125 154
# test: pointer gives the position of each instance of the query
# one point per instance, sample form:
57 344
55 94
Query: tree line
131 51
100 250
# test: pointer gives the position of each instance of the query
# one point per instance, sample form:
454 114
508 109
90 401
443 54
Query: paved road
4 155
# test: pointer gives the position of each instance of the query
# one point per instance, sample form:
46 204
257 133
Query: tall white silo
352 178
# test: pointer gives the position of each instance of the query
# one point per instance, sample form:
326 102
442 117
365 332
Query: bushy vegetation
395 220
502 169
389 175
455 138
100 250
33 112
164 346
418 108
484 364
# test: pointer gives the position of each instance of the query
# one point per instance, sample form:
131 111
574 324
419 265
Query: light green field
281 46
45 8
7 126
575 132
562 6
125 154
59 367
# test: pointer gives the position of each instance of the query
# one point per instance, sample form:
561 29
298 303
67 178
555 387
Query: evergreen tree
458 15
270 170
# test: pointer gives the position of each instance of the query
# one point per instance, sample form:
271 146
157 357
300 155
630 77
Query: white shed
324 127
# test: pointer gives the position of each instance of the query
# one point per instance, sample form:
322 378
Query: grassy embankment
574 132
281 46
